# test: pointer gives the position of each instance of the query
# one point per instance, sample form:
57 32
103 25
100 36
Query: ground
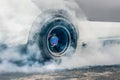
88 73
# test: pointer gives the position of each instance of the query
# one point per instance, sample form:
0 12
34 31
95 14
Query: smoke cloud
16 20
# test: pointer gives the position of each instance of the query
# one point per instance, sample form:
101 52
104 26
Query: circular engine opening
58 40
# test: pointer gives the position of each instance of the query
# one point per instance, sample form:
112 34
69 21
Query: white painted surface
90 30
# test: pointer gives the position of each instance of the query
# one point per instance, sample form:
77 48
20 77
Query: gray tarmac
88 73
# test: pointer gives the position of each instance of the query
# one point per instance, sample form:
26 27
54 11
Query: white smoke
16 19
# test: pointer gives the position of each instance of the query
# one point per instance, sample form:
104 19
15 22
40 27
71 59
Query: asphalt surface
88 73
